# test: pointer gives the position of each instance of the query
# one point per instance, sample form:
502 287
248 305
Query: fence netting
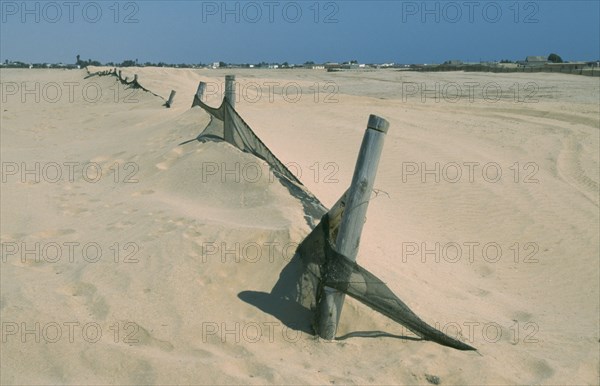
322 266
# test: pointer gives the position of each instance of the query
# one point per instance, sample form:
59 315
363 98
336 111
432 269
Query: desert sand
126 243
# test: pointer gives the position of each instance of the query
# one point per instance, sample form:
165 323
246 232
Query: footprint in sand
120 225
170 158
479 292
142 193
141 336
521 316
74 211
51 233
542 369
100 159
86 293
484 270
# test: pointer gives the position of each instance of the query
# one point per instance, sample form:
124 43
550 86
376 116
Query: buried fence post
135 78
200 90
230 98
353 219
171 97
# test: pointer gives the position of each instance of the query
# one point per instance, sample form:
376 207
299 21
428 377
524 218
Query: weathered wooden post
135 78
200 90
120 75
229 98
171 97
353 219
230 89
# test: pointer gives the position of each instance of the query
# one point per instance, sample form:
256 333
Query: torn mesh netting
322 265
244 138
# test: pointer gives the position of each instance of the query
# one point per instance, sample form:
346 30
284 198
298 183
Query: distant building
507 65
535 61
216 65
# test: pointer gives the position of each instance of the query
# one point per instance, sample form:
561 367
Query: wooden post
135 78
230 98
200 90
120 77
353 219
230 89
170 101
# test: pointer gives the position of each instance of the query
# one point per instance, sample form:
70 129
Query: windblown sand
125 248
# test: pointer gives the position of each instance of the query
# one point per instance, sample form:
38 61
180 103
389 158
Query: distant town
552 63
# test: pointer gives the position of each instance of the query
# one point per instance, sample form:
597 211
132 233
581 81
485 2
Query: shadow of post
283 300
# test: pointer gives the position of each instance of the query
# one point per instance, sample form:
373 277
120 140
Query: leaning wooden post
171 97
200 90
229 98
353 219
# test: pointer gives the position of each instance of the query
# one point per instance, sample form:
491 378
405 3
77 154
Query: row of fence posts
357 199
119 74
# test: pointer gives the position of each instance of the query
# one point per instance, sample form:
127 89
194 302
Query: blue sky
298 31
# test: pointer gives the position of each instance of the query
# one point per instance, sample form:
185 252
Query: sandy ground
124 251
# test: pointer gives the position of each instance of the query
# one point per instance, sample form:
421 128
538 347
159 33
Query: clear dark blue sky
298 31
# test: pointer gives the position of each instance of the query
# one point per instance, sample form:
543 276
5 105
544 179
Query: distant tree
222 64
127 63
309 63
89 62
554 58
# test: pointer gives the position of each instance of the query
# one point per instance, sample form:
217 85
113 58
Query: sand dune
193 236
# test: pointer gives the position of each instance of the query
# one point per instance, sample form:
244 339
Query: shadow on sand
283 303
